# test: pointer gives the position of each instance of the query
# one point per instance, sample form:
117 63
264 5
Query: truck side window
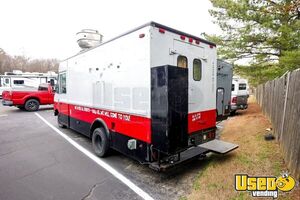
182 61
62 83
41 88
242 86
232 87
18 82
197 69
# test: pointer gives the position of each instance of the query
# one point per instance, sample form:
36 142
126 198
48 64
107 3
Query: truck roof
153 24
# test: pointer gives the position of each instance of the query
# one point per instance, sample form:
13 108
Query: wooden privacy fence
280 101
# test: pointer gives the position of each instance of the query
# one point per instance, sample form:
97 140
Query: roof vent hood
88 38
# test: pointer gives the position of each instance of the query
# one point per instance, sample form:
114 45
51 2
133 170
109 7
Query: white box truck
149 93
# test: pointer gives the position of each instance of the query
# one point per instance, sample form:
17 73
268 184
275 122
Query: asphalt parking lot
38 163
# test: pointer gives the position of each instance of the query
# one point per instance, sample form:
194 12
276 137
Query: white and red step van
149 94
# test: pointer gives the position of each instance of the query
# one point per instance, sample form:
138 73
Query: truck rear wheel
100 142
233 112
60 125
32 105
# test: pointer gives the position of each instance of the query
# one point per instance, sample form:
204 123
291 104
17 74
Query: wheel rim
98 143
32 105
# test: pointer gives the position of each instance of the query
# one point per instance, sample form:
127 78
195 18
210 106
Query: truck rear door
202 81
189 56
220 101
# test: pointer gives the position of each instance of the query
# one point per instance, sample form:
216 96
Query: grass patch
267 152
203 173
240 196
213 186
277 168
259 137
183 198
255 156
262 156
244 159
196 184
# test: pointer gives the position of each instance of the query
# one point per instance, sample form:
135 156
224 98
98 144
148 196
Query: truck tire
233 112
32 105
60 125
100 142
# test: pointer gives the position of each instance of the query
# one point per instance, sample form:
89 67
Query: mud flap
219 146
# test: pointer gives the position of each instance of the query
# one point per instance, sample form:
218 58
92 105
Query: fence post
284 106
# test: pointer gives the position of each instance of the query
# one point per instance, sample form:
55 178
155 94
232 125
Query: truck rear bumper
7 103
215 146
239 107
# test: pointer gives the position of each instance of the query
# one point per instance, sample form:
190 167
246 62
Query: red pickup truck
29 100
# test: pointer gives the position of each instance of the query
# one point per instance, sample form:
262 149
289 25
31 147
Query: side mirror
52 82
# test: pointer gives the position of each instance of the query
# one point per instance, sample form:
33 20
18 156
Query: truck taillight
234 100
211 135
162 30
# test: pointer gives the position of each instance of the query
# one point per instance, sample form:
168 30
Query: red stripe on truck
132 125
201 120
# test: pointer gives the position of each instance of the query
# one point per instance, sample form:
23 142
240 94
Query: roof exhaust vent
88 38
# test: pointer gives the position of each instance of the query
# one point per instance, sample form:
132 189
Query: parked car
29 100
239 94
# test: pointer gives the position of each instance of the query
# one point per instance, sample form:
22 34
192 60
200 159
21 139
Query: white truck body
135 56
114 84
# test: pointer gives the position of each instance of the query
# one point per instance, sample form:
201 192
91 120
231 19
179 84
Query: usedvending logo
264 186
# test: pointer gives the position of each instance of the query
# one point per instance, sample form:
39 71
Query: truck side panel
111 82
224 86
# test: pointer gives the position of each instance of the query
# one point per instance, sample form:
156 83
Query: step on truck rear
149 94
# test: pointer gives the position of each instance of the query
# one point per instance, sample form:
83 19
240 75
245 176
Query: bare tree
9 63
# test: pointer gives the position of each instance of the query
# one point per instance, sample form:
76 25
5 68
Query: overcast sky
47 28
